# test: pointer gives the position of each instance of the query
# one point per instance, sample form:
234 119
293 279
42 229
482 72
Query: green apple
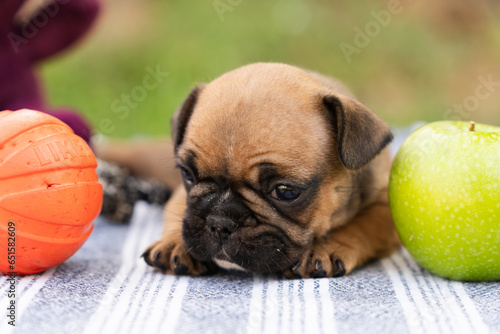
444 193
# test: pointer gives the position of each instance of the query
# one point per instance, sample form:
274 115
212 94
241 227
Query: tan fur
274 113
148 158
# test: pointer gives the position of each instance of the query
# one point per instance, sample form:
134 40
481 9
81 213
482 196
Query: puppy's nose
221 226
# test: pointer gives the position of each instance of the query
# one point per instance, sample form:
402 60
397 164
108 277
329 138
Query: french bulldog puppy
284 172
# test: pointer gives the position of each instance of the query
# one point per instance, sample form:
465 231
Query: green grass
410 71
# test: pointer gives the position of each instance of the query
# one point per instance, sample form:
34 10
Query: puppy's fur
284 172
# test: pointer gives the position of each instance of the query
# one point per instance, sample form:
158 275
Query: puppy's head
262 150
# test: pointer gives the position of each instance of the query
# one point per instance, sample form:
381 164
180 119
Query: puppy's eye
285 193
187 175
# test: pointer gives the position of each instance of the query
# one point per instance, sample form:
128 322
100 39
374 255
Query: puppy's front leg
169 254
370 235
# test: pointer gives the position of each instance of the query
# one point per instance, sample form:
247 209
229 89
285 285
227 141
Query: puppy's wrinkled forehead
258 114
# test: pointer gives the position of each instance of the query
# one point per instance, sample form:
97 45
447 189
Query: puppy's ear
182 115
360 133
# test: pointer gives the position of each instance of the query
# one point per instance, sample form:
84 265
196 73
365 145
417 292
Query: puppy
284 172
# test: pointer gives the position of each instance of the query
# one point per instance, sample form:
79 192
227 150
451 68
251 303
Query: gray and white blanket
107 288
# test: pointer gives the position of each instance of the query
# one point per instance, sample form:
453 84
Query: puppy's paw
325 260
172 257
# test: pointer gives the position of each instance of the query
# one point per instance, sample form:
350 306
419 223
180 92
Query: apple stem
472 126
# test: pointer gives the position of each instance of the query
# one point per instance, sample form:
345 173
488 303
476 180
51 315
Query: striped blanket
107 288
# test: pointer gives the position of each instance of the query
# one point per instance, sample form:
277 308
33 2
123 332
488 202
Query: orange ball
49 192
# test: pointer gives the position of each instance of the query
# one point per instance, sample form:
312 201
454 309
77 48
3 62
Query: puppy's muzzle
220 227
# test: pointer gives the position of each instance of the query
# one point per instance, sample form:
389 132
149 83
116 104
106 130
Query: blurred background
419 60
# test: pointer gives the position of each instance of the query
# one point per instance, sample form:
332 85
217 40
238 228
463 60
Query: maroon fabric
54 28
